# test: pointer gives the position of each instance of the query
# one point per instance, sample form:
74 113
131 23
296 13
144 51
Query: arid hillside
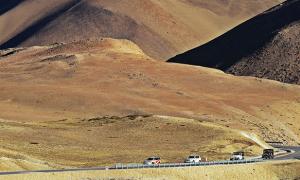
279 59
266 46
161 28
76 104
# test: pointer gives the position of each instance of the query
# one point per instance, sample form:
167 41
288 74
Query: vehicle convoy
237 156
193 159
268 154
152 160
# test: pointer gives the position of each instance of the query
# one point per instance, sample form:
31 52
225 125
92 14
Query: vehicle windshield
237 153
268 150
192 157
153 158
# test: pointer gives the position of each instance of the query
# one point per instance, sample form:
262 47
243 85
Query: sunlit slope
161 28
114 77
109 140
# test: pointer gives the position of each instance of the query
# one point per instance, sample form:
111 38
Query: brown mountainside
161 28
266 46
114 77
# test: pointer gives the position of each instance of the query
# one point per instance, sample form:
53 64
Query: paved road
294 155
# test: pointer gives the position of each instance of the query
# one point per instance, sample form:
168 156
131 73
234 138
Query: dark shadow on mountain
27 33
243 40
6 5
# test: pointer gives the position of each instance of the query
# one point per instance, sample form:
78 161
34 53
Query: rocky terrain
279 59
262 47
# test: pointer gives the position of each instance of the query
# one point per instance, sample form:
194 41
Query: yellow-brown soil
53 100
161 28
110 140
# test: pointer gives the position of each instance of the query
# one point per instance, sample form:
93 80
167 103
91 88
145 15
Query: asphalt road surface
295 154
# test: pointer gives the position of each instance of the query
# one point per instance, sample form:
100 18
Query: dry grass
112 77
109 140
271 170
50 95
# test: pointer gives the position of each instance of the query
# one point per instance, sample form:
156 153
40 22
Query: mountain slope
114 77
6 6
266 46
279 59
159 30
76 104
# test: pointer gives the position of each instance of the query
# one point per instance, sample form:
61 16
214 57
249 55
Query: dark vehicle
237 156
268 154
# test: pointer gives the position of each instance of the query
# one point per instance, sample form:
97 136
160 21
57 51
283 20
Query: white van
193 159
